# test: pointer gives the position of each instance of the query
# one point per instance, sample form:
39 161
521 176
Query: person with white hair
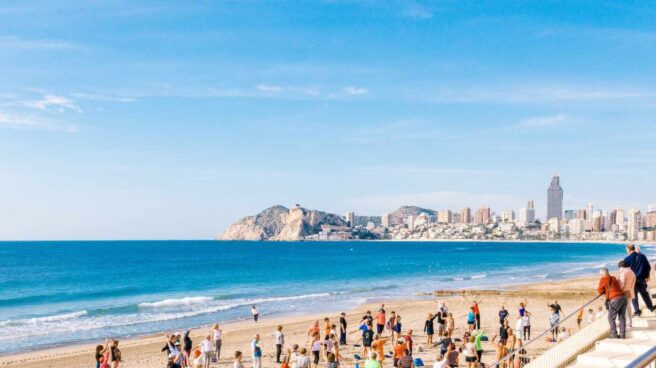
615 301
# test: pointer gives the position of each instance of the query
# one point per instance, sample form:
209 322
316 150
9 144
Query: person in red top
616 302
380 319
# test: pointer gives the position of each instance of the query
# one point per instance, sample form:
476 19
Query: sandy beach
144 352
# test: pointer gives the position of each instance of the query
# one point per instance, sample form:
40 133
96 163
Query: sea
58 293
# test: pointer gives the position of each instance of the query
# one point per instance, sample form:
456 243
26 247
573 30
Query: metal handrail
516 351
644 359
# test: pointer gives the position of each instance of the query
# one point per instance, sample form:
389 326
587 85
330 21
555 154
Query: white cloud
269 88
539 95
101 97
546 121
53 103
353 91
26 121
418 11
41 44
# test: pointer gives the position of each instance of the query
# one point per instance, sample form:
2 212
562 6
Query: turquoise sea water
53 293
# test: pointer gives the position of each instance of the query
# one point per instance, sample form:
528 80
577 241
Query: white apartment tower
350 218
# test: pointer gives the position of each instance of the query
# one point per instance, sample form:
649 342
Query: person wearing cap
640 266
615 302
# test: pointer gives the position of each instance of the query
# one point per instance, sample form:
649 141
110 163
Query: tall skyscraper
444 216
508 216
350 218
555 199
385 220
589 213
483 216
465 215
635 219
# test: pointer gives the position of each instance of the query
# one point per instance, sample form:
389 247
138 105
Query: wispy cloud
547 121
53 103
101 97
353 91
537 95
30 121
417 11
269 88
14 42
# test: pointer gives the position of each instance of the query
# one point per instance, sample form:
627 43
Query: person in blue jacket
640 266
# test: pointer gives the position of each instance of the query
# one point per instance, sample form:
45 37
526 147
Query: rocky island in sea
279 223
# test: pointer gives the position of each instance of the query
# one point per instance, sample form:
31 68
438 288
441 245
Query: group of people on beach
382 336
108 355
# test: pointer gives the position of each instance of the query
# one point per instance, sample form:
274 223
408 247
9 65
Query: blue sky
170 120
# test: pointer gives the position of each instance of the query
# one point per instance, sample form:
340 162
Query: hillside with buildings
418 223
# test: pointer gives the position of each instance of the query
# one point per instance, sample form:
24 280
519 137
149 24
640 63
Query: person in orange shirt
477 313
379 346
615 301
327 328
313 331
398 351
380 319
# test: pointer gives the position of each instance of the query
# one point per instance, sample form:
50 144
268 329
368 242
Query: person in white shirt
238 358
519 328
441 362
216 338
293 356
564 334
526 325
279 338
302 361
206 350
600 313
257 352
591 316
255 312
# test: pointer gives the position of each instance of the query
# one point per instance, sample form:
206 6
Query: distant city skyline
170 120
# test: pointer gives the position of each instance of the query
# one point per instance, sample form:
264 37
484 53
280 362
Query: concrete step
644 321
605 359
635 346
644 333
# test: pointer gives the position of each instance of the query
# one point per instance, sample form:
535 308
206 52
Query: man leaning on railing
616 302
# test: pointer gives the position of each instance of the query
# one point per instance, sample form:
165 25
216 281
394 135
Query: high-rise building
385 220
589 213
508 216
350 218
596 221
580 214
650 219
619 217
444 216
570 214
530 212
465 215
410 221
633 226
482 216
576 226
555 199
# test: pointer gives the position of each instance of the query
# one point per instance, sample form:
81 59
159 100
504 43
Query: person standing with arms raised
639 264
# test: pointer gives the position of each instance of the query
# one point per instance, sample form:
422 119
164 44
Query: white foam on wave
186 301
458 279
482 276
43 320
81 321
